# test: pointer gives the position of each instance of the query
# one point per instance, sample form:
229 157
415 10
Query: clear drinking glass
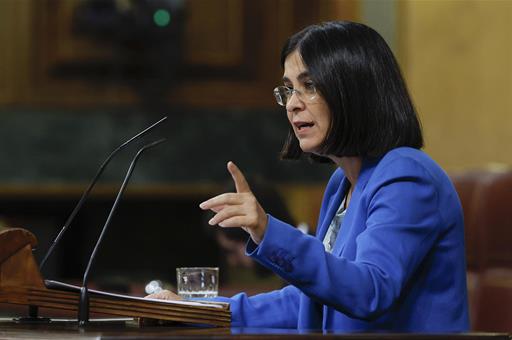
197 282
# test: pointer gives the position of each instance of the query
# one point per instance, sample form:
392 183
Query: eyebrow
301 77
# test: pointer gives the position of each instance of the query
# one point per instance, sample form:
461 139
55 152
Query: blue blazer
398 264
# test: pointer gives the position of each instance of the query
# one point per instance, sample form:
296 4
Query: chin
307 147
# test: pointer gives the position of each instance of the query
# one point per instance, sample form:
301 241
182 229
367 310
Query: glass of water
197 282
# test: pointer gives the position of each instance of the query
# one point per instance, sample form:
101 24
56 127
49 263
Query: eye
288 89
309 86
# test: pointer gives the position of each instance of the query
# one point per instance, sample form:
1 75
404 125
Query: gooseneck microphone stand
33 310
83 307
91 185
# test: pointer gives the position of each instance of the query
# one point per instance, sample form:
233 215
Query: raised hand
240 209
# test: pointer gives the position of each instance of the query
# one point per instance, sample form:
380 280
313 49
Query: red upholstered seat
487 202
466 184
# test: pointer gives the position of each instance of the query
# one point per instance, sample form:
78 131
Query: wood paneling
15 34
231 53
226 18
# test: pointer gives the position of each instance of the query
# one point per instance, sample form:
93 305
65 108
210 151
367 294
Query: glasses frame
288 93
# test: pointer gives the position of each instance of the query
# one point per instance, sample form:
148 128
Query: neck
351 167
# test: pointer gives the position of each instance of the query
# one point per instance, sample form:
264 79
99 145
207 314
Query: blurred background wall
78 77
456 57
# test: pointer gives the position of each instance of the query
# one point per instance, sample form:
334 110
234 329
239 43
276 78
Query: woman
389 249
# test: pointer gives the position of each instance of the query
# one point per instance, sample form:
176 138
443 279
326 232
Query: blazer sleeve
276 309
401 224
280 308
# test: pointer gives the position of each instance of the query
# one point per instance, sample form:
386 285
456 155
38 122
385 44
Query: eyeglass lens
284 93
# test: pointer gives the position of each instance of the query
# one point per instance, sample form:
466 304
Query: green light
162 17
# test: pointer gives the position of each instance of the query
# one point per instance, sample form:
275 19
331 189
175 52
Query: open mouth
303 125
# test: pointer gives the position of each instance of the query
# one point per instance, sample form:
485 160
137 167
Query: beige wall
457 59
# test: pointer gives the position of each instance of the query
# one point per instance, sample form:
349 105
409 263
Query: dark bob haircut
357 75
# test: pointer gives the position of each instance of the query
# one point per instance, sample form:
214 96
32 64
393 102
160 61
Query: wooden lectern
21 283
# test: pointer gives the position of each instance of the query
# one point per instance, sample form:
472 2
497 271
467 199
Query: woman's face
310 119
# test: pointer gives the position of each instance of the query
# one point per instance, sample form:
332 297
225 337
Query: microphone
91 185
33 310
83 307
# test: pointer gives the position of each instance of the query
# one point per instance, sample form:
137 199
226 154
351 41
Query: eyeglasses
284 93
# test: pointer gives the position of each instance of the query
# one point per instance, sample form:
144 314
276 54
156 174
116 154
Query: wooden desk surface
119 329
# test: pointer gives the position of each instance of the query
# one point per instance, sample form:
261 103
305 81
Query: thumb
239 179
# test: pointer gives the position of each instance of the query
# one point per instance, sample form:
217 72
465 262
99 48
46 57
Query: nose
294 103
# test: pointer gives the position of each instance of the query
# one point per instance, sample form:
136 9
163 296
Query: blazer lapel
334 204
347 225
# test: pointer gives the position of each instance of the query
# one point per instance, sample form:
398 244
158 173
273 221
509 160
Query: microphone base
100 322
32 320
32 317
83 307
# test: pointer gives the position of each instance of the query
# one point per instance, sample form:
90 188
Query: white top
334 227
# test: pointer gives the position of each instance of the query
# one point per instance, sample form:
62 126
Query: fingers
240 209
226 213
239 179
164 295
234 222
217 208
217 202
